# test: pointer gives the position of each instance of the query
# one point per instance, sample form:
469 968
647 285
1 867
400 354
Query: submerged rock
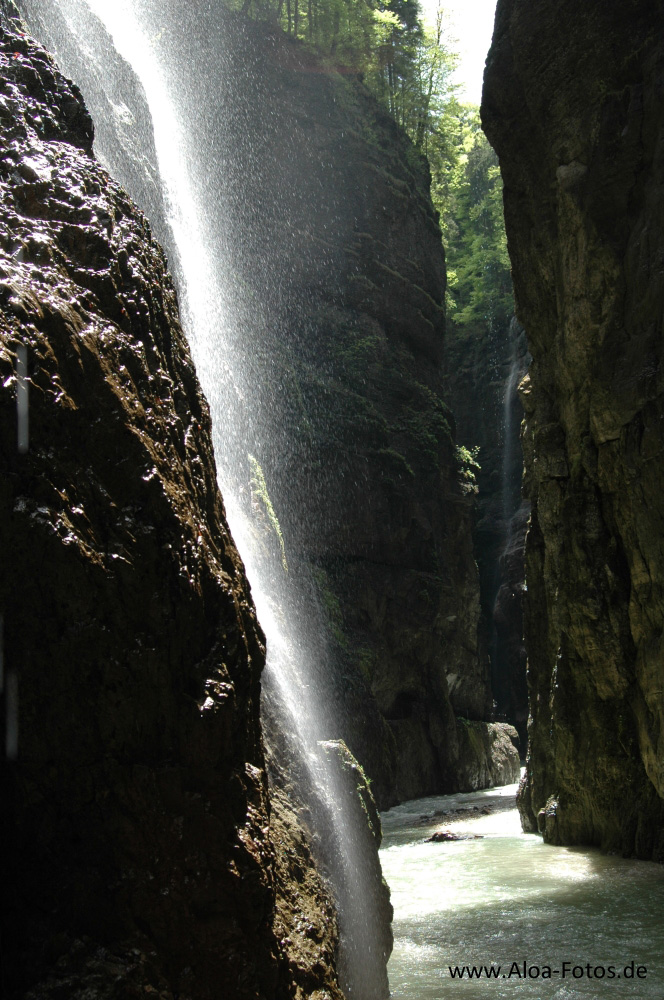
573 106
445 836
139 853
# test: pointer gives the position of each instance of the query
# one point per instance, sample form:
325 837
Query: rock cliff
139 842
573 106
335 285
483 366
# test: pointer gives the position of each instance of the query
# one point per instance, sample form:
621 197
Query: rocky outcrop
363 473
364 889
573 106
139 850
508 651
489 754
320 215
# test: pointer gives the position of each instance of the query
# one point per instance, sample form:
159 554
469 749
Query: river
586 925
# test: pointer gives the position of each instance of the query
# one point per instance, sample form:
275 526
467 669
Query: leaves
410 68
467 190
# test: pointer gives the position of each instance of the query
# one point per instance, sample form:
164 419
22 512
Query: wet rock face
138 855
573 105
364 887
488 753
346 262
335 284
508 651
371 492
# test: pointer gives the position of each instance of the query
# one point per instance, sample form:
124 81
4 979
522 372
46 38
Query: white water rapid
508 898
180 65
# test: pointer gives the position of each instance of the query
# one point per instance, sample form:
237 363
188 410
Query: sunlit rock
572 104
138 854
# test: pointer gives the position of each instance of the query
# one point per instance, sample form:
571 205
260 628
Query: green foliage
431 89
397 460
467 190
404 64
261 496
468 466
366 661
373 36
409 68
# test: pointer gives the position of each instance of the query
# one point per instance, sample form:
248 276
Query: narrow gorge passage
509 903
249 426
200 739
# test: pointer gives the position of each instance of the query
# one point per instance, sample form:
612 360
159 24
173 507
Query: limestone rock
365 888
336 280
508 651
306 921
573 106
448 836
488 754
138 857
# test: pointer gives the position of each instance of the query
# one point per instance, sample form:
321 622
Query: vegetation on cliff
408 66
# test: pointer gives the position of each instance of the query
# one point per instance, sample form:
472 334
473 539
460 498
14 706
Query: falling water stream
512 460
181 70
508 898
502 899
509 445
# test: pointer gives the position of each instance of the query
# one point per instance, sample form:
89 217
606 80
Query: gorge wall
573 105
145 851
140 852
335 286
483 366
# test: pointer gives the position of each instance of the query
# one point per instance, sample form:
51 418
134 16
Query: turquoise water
507 899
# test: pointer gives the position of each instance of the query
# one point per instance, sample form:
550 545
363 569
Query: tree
409 68
468 193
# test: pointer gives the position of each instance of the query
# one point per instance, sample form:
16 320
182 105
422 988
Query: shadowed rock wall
573 104
137 854
337 292
483 366
335 285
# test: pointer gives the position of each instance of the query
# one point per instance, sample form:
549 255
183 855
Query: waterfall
506 627
510 471
508 444
178 56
